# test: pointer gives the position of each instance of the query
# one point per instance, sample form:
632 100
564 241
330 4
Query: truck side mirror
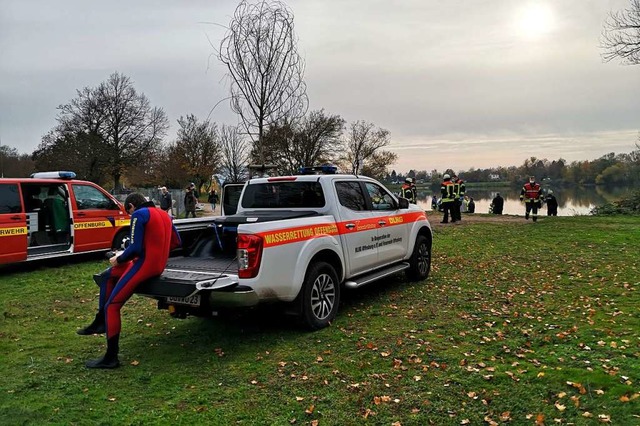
403 203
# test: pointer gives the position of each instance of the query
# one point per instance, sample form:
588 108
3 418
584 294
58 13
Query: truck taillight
249 255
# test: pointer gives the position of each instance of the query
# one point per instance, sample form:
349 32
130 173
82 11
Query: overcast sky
459 84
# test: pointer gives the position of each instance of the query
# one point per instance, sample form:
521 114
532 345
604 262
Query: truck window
351 196
90 198
283 195
9 198
380 199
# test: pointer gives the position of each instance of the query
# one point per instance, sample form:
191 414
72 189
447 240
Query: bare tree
377 165
197 148
234 154
313 140
123 120
364 141
621 35
266 71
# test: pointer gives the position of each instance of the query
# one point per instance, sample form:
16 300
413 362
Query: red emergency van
52 214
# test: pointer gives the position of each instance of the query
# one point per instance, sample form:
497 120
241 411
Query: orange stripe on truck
303 233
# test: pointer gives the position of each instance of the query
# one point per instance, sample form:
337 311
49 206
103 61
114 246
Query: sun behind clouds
533 20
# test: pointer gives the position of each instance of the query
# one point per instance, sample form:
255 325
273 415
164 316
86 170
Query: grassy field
519 323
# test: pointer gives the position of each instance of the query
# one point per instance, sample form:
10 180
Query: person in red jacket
531 195
153 236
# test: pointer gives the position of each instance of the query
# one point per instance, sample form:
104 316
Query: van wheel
120 240
320 296
420 261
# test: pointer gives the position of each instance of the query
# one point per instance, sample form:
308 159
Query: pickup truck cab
298 240
52 214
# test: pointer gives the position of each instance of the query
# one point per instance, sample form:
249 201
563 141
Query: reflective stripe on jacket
447 190
531 192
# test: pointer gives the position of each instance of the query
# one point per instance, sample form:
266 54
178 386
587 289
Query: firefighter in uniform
458 190
531 195
408 190
448 198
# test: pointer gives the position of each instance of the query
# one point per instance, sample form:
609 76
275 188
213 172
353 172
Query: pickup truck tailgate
185 275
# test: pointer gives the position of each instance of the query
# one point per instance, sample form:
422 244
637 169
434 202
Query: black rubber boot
110 359
96 327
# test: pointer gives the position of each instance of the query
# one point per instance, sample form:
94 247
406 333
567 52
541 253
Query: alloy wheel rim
323 296
423 259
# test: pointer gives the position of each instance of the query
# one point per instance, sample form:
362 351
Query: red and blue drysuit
153 236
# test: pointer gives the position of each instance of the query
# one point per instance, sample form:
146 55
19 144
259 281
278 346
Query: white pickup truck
297 240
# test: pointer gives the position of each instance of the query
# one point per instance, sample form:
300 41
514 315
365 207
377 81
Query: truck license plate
191 300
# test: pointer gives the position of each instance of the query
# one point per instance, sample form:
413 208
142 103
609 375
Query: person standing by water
531 195
408 191
448 198
552 204
458 190
497 204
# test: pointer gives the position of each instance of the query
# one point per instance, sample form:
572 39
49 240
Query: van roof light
54 175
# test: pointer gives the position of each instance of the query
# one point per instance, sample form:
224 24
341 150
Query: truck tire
320 296
119 240
420 261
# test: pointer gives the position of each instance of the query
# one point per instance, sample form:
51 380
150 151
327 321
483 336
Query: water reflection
571 201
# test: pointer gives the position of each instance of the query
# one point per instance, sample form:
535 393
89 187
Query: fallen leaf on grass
299 398
135 362
604 418
310 409
314 422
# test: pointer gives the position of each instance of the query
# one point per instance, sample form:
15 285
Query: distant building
494 176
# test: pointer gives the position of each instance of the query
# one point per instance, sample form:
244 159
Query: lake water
571 201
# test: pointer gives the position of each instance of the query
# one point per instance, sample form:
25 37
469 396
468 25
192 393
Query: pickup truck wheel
119 240
420 261
320 296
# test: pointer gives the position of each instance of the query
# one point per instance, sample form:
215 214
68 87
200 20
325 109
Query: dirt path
436 217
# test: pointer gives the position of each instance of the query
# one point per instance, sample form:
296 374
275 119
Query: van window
90 198
9 198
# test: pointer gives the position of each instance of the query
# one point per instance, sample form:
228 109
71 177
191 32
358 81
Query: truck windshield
283 195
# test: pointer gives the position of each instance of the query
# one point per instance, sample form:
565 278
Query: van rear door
13 224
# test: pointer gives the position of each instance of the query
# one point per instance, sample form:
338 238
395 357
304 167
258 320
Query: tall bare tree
261 55
621 35
123 120
234 154
364 147
197 148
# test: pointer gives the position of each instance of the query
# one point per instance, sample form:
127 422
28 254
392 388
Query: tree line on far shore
610 169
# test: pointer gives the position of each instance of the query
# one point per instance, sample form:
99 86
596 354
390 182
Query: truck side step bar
376 275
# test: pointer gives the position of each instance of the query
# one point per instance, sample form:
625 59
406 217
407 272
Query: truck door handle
15 217
350 226
80 214
382 223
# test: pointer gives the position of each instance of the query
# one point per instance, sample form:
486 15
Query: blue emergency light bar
325 169
54 175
